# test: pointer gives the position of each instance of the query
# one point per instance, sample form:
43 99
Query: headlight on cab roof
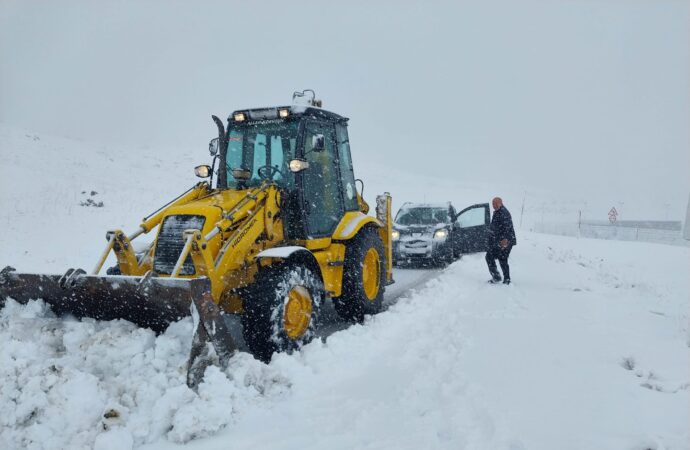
395 234
442 233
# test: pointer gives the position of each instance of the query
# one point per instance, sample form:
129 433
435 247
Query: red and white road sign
613 215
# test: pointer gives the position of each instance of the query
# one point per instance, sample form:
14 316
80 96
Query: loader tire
281 310
364 277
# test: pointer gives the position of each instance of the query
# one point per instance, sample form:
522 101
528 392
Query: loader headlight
202 171
395 234
298 165
239 117
283 113
441 234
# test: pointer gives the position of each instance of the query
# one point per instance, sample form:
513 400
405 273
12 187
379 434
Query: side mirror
203 171
318 143
213 147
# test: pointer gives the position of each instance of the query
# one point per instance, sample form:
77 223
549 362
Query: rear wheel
364 277
281 310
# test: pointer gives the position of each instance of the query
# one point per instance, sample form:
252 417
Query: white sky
568 95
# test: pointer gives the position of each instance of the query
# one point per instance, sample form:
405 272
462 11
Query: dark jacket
502 227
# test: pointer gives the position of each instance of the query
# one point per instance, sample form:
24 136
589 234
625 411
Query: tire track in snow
406 281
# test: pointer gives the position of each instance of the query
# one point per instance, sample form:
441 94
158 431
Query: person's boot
495 280
506 281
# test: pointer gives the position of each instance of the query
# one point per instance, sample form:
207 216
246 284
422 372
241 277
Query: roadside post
686 226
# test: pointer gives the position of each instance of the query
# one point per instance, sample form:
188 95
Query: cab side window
321 181
347 174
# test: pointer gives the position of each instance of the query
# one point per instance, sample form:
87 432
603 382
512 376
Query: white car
435 233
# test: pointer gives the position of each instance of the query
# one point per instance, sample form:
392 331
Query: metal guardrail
670 225
614 232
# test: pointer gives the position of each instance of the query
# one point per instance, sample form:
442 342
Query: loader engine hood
201 214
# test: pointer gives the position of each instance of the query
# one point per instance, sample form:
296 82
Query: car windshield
264 148
422 216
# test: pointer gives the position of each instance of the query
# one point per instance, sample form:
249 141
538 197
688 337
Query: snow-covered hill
589 347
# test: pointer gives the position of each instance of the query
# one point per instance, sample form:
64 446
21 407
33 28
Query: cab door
472 228
347 174
321 191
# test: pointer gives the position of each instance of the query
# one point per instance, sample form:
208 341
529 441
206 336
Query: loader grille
170 243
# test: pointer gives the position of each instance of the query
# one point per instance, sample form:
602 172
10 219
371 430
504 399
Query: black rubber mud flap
154 304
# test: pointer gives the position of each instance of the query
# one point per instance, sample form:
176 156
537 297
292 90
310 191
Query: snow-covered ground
589 348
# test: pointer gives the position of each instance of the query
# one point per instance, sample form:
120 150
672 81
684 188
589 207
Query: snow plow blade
149 302
146 301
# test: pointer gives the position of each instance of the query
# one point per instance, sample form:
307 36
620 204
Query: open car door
472 229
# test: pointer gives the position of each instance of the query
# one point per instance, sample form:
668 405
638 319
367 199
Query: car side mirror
213 147
318 143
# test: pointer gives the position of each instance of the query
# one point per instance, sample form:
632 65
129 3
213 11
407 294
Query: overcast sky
563 94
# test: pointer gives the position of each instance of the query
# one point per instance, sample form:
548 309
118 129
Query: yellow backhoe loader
282 229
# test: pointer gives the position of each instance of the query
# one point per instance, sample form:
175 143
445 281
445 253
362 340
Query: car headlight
395 234
442 233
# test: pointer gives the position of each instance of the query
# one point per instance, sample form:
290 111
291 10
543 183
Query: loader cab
305 151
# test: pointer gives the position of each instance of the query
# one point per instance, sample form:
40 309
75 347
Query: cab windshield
264 148
422 216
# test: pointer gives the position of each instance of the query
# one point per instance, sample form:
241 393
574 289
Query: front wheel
281 310
364 277
445 258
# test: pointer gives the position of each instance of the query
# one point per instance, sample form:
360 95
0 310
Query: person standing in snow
501 241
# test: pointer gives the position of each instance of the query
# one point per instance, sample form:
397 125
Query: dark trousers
500 254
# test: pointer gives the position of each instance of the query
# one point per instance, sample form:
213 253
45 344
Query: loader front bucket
149 302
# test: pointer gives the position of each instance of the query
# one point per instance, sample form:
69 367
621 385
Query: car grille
170 243
416 244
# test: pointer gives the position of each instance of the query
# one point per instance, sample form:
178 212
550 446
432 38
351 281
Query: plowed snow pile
587 349
68 384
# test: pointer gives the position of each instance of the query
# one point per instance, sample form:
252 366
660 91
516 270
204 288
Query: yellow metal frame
351 223
384 204
239 225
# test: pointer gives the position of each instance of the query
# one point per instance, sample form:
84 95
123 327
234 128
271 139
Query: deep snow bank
70 384
588 349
